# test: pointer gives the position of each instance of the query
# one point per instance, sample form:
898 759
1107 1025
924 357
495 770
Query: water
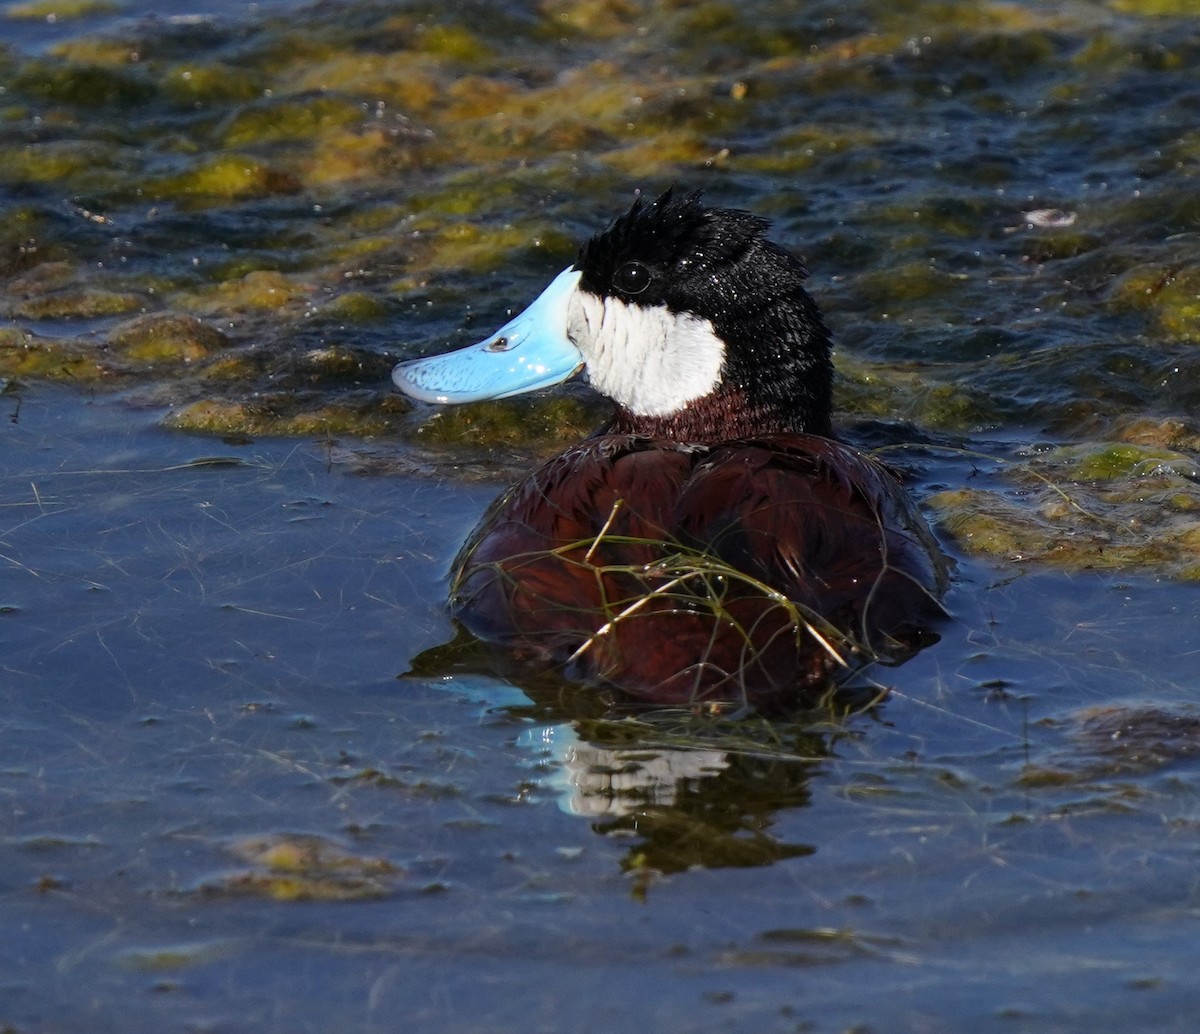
38 28
227 802
202 650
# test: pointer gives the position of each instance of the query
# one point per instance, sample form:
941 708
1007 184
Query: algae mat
228 800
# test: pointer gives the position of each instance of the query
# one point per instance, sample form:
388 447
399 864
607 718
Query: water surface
227 802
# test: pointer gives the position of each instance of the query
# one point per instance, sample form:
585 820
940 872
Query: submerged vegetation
224 810
247 224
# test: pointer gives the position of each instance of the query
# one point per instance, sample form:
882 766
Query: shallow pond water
223 805
237 791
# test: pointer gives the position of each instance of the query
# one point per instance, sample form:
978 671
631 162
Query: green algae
78 303
985 523
226 177
1156 8
732 36
1110 461
166 958
471 246
546 421
452 43
24 355
215 84
58 9
139 344
273 120
88 165
60 290
360 248
801 148
676 841
355 307
667 151
876 390
260 289
290 415
299 867
402 82
907 282
1114 505
43 277
86 86
234 368
97 50
364 152
27 241
1168 295
166 338
334 363
1176 435
595 19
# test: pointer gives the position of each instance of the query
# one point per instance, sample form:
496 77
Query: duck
713 543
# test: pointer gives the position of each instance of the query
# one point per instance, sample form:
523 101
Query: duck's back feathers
690 555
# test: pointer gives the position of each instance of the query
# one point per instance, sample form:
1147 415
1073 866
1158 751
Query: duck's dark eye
631 278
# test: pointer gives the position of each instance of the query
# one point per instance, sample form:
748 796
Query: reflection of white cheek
595 781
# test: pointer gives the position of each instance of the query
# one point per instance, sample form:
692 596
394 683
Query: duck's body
594 562
712 542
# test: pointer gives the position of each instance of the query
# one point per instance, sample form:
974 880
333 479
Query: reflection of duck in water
598 781
681 806
711 542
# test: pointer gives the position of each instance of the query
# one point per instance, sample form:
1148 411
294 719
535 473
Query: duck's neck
777 379
728 414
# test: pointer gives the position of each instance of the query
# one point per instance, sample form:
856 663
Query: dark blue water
43 30
202 645
227 803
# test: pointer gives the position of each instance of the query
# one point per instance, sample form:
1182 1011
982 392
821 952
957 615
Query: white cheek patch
649 360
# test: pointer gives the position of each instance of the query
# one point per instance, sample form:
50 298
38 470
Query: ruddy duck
712 542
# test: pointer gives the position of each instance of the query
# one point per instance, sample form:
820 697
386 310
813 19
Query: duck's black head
688 318
698 327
